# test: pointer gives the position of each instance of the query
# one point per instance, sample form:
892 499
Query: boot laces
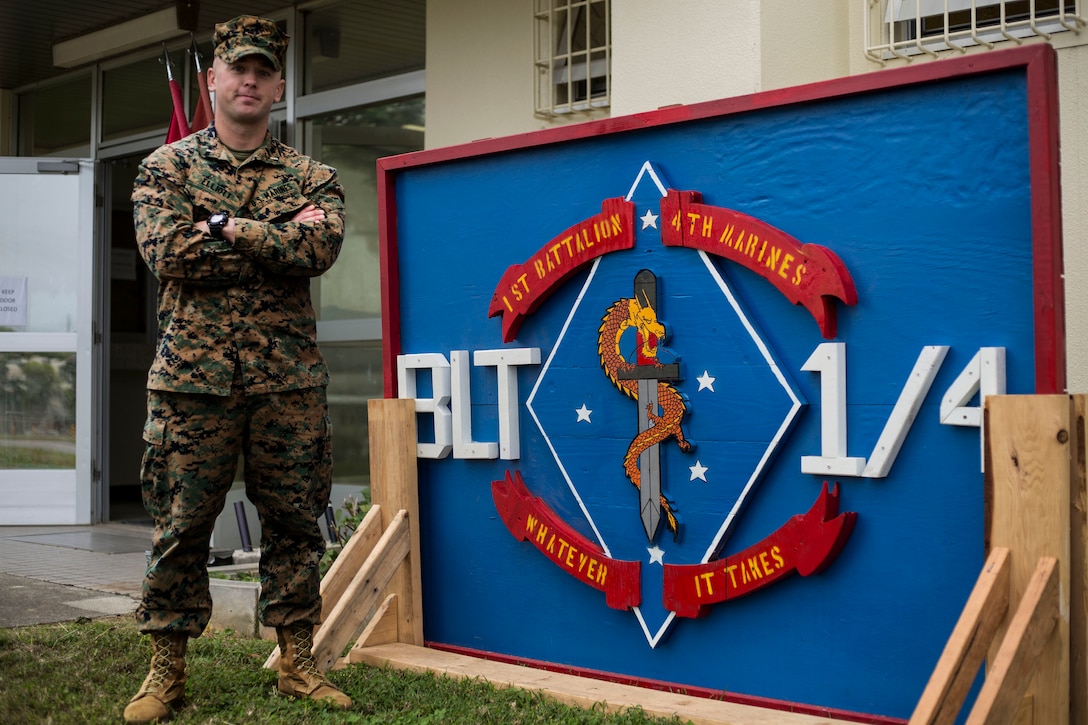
160 663
304 656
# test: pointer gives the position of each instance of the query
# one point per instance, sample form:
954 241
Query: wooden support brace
339 576
394 483
966 649
1029 631
1078 565
382 629
349 616
1030 471
351 559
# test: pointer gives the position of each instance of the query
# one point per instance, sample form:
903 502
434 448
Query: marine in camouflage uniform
237 372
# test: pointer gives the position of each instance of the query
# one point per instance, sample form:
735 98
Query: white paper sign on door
12 301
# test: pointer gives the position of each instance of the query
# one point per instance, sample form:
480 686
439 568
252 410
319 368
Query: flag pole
165 60
202 114
179 125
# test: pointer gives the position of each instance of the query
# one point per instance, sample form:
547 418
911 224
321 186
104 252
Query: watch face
216 222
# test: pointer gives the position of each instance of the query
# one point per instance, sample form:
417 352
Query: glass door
47 342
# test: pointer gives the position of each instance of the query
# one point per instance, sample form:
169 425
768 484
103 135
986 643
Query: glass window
349 294
573 55
40 250
905 28
37 410
56 118
352 140
350 42
355 376
136 97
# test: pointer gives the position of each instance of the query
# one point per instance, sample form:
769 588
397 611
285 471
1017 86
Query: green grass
16 457
86 671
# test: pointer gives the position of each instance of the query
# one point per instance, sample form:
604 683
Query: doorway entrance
48 442
130 316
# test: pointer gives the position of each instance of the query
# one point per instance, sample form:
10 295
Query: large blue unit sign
699 390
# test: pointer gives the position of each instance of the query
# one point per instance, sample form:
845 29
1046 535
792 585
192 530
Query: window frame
904 29
572 77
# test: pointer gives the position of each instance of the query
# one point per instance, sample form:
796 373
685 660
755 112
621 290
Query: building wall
1073 109
471 93
679 53
807 42
698 50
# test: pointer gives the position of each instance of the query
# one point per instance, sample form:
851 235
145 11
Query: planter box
234 607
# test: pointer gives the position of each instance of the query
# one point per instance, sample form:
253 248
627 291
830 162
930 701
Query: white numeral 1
829 359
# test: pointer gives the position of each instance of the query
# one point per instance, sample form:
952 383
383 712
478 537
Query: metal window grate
907 28
573 52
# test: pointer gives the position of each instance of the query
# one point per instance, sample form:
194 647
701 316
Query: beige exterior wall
479 69
667 53
806 42
1073 108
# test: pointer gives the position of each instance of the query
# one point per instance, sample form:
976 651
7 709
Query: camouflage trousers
193 442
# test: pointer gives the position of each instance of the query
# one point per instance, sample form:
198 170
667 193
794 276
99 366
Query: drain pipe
243 526
330 521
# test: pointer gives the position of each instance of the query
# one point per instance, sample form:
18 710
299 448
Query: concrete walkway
61 573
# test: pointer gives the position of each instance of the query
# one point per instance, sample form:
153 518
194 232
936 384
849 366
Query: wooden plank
394 484
351 558
382 628
1078 566
1030 630
339 576
580 691
967 646
349 616
1029 464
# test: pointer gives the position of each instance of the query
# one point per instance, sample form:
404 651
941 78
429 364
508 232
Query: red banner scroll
807 543
529 518
807 274
524 286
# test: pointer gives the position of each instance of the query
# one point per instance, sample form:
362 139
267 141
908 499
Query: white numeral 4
984 375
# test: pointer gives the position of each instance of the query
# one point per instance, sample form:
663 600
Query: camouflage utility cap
250 35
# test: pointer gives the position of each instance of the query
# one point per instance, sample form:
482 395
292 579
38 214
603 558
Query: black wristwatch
216 222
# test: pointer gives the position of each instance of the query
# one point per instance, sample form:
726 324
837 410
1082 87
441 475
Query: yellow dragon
621 316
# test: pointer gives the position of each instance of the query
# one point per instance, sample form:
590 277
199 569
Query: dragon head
651 332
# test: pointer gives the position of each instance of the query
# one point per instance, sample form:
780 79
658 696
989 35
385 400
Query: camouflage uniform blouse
244 307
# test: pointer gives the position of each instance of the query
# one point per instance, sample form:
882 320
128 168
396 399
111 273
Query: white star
656 555
706 382
583 414
698 471
649 219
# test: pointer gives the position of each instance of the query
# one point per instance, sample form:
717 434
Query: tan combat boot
164 686
299 675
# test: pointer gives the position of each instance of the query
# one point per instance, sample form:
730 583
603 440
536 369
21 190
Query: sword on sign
649 373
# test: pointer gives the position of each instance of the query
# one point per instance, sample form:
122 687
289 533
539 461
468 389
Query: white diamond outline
787 384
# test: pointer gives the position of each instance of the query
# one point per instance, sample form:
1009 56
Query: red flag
179 127
202 114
